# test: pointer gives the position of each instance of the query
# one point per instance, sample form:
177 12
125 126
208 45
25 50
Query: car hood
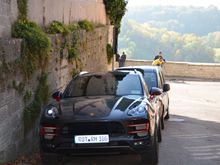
94 107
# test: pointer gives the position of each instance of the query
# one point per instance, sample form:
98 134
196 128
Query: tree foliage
115 10
143 41
198 20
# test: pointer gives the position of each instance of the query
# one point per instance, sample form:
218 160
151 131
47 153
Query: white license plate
85 139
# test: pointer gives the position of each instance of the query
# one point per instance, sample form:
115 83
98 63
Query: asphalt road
191 135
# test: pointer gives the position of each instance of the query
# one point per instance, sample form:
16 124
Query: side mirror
166 87
57 95
154 91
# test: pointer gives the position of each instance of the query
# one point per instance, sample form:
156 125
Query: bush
85 24
57 27
115 10
72 53
35 48
110 54
73 27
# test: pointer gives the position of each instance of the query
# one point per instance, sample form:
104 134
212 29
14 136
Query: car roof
114 72
142 68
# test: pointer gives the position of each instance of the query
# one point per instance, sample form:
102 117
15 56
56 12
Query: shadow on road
190 141
185 141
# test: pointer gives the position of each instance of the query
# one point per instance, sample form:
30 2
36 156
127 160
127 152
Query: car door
164 96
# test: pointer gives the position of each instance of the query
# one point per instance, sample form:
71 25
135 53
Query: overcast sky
196 3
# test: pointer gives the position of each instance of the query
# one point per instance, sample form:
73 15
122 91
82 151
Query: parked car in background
102 113
154 77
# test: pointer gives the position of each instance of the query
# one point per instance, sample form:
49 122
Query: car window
151 79
130 85
106 84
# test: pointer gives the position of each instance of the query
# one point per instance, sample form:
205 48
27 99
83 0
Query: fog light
138 143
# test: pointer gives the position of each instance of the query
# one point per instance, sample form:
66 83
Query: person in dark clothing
159 56
117 57
122 60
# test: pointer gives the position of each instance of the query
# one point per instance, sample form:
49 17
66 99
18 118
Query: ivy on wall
36 46
115 10
22 9
41 96
109 52
35 50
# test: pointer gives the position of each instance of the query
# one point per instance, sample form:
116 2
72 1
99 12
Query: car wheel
151 156
168 114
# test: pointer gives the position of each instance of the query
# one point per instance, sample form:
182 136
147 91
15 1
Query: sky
195 3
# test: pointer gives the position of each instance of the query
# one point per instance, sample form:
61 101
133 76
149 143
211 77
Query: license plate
85 139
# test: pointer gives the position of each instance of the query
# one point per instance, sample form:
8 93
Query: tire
152 155
168 114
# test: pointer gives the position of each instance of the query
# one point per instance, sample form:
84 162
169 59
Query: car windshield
115 83
151 79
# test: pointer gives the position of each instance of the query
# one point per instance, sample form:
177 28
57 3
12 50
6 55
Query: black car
154 77
101 113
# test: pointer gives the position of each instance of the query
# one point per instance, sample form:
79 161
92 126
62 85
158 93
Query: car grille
93 128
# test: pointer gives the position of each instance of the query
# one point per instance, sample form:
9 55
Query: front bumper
124 137
116 145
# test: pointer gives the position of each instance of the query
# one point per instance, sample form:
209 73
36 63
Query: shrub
72 53
115 10
110 54
35 48
57 27
85 24
73 27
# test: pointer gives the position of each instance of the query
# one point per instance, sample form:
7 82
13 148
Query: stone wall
8 14
45 11
92 54
183 69
66 11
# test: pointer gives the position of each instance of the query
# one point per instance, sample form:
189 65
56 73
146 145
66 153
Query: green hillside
143 41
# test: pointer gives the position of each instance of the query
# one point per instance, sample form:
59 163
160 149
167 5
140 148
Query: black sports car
102 113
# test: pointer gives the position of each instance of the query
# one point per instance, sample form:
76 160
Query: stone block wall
10 103
92 54
8 14
66 11
183 69
45 11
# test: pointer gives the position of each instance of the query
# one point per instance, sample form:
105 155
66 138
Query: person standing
122 60
159 60
160 54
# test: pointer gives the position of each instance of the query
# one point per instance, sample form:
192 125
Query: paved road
191 135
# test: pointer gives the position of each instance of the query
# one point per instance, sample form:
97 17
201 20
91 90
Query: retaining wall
92 54
184 69
45 11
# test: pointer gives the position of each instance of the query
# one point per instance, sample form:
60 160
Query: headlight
51 112
137 111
